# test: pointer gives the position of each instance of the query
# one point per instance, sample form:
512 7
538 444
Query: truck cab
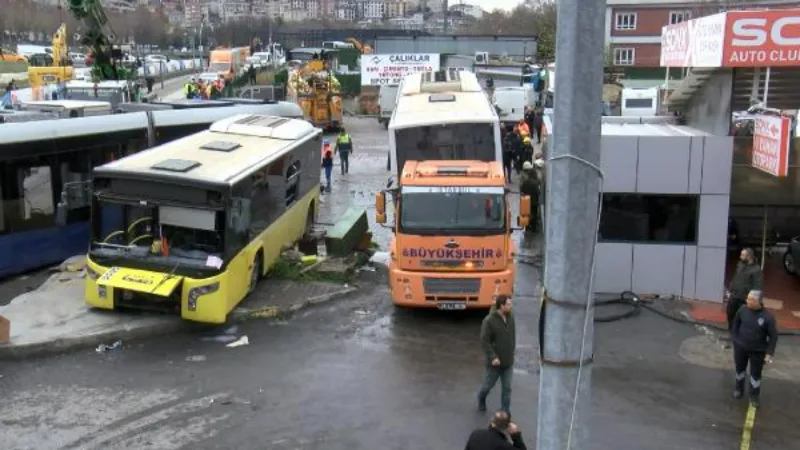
452 246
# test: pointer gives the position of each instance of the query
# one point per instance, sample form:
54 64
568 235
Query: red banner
765 38
771 145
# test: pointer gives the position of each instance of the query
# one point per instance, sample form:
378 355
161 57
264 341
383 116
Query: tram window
34 199
2 213
77 173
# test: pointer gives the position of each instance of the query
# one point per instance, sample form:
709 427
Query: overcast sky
489 5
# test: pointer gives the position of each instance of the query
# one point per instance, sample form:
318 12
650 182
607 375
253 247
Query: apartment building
398 8
194 12
633 27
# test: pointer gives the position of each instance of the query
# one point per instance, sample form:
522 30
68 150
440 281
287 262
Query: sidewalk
55 318
714 313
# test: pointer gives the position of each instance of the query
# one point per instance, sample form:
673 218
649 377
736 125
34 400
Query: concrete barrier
347 233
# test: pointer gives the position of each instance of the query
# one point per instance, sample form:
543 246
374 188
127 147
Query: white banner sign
388 70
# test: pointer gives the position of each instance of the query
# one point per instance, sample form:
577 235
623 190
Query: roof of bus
257 145
418 110
11 133
494 175
414 107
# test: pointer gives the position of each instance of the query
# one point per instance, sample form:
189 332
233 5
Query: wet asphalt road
358 374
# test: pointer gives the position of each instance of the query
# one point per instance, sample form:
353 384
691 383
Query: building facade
633 27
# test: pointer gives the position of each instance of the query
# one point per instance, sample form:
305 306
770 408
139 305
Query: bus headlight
102 291
196 292
92 274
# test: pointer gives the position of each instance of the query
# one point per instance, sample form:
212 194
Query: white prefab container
666 196
641 102
512 101
387 98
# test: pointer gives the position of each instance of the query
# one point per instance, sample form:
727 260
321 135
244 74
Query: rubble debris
240 342
103 348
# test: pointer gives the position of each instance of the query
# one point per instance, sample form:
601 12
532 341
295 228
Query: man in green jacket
499 341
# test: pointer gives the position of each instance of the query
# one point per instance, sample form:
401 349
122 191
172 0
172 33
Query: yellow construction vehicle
315 88
364 49
60 70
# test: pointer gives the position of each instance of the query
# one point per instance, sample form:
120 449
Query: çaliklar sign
734 39
771 145
389 70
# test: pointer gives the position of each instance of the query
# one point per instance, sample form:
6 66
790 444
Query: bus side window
292 182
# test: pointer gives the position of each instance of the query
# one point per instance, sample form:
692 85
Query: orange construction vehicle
452 247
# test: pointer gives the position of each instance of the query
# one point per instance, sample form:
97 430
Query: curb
61 345
66 344
272 312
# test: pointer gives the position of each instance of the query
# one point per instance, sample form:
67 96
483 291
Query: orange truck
452 247
228 62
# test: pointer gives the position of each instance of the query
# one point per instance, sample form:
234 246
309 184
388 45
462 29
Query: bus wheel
255 275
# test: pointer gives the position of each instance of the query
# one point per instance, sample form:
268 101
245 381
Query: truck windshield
219 67
169 234
462 141
452 211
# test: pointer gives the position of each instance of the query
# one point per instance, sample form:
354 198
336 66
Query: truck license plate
450 306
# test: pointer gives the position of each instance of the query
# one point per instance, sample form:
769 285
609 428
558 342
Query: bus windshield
458 141
169 234
452 211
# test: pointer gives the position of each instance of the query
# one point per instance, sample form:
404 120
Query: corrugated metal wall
784 88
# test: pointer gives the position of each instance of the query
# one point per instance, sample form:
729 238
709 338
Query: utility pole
566 324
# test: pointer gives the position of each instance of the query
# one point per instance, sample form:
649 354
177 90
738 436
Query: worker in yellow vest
344 145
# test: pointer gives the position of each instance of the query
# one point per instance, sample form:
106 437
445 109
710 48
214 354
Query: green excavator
98 38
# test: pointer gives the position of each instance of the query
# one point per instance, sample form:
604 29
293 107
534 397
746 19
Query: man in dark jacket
502 434
499 341
755 336
538 123
748 277
512 144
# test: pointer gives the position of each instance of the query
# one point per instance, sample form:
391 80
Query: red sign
771 145
762 38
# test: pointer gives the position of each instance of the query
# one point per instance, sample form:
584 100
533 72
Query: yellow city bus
192 225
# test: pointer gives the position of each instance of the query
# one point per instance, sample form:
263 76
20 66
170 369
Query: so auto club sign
389 69
766 38
762 38
771 145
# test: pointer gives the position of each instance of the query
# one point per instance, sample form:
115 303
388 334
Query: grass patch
286 270
13 67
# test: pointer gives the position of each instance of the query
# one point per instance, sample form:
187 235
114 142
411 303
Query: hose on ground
636 304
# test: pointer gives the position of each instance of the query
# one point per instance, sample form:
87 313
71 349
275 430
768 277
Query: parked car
790 257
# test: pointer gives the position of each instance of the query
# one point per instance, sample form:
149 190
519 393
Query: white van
511 102
387 97
641 102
